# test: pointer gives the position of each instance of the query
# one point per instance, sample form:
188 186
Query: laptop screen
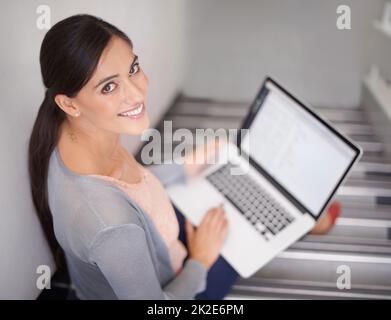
297 149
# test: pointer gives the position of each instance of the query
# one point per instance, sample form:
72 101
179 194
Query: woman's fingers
189 229
206 218
217 218
209 216
223 222
223 227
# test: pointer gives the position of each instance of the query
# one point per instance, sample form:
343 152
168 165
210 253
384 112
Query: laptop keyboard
265 214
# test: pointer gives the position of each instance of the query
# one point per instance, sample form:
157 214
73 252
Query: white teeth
134 112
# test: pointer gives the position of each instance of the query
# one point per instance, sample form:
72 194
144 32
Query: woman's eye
135 68
111 86
108 87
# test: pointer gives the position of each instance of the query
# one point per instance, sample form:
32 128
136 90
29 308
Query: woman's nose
133 93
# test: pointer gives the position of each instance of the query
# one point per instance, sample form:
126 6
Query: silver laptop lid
299 152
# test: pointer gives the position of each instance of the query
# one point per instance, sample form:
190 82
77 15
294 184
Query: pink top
150 195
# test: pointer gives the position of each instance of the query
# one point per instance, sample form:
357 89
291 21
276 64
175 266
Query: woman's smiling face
114 99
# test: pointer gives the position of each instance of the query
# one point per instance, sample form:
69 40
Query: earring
77 113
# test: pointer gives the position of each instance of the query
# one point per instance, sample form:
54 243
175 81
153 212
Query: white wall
154 26
232 45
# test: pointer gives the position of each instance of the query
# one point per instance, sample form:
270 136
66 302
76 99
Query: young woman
101 210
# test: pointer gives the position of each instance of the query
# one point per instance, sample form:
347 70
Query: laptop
275 181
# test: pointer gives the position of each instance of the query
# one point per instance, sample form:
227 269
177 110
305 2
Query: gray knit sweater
112 248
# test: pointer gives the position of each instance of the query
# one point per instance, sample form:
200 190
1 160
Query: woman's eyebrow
135 59
106 79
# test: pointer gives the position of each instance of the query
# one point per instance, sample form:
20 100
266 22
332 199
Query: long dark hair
69 54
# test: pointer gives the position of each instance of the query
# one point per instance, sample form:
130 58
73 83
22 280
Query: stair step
241 109
292 289
365 168
311 265
365 211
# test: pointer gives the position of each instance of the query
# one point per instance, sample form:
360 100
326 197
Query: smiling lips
133 113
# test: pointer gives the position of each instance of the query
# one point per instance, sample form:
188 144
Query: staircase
361 238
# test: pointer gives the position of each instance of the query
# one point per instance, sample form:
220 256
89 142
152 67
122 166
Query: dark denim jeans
221 276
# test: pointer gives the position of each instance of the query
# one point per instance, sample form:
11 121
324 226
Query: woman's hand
201 156
205 242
